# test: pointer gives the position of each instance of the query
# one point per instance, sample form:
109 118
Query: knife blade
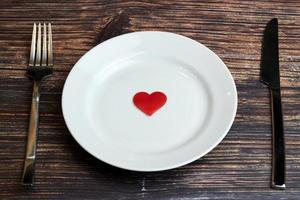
271 77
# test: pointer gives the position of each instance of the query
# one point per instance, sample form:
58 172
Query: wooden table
238 168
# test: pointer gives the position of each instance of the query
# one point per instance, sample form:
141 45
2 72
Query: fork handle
29 163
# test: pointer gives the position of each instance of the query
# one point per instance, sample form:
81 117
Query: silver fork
40 67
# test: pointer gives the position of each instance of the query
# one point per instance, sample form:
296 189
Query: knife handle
278 167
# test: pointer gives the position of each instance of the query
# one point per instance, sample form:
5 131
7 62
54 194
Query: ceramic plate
191 111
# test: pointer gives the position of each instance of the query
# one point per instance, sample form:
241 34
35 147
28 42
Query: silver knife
271 77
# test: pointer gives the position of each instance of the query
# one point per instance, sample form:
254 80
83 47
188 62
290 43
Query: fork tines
41 50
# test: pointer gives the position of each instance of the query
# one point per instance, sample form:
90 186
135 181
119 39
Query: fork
40 67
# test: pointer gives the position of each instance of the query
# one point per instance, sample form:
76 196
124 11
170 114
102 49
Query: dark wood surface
238 168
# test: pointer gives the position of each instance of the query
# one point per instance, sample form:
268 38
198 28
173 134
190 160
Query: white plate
100 114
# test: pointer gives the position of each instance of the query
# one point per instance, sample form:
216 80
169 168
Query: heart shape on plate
149 103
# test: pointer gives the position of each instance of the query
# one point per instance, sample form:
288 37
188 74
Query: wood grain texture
238 168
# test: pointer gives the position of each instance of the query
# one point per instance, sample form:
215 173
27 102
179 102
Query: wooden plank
238 168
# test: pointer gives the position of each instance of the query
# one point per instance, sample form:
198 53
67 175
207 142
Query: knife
271 77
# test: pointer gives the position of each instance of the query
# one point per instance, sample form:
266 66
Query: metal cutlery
40 67
271 77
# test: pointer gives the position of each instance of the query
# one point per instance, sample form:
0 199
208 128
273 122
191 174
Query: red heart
149 103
